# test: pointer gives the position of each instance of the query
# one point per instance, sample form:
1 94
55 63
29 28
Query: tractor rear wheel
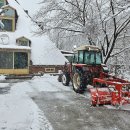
79 83
65 79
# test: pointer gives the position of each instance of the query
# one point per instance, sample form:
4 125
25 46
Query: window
23 41
9 18
9 12
1 3
8 24
98 58
92 57
49 69
87 58
6 60
80 56
20 60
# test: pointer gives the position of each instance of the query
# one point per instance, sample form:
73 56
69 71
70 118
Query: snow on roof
14 47
43 50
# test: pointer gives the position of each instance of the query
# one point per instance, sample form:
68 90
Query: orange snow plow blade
100 96
113 92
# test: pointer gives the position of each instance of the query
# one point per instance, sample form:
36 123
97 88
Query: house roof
43 50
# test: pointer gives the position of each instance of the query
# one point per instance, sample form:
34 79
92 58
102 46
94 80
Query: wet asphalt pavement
67 110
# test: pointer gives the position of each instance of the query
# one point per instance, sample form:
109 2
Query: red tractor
87 68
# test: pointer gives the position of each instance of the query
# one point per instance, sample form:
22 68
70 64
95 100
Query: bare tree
70 17
113 18
96 20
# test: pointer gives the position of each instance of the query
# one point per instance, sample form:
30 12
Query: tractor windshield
92 57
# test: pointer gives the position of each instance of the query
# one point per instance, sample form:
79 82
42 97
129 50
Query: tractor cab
89 55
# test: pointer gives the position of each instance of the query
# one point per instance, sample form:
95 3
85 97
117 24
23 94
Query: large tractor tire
79 83
65 79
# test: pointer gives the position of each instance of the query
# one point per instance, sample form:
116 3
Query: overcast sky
31 5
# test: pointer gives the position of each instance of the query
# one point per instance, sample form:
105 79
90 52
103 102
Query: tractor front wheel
79 83
65 79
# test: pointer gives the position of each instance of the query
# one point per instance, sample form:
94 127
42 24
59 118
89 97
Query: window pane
20 60
89 58
9 12
93 58
80 56
98 58
7 24
6 60
1 3
86 58
23 42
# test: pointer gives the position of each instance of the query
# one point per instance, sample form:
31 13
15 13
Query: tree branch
73 5
68 29
117 53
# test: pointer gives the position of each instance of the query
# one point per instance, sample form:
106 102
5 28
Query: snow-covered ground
18 111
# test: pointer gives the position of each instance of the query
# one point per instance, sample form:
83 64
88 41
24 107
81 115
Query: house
20 51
